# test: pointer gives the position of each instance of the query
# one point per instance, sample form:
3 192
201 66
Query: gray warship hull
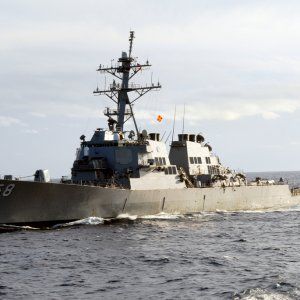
32 202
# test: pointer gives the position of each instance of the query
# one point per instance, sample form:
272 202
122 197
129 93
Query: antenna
130 42
162 136
124 70
174 124
183 118
168 136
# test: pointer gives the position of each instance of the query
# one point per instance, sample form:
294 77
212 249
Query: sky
235 65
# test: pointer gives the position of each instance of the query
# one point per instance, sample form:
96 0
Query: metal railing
295 191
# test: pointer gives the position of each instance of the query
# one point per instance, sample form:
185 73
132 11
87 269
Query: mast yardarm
126 68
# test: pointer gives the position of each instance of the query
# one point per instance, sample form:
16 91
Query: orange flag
159 118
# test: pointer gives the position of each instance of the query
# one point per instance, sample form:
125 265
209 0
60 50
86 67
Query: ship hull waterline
25 202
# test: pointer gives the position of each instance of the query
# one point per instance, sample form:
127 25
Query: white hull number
6 190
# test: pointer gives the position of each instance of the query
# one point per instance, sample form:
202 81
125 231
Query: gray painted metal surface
30 202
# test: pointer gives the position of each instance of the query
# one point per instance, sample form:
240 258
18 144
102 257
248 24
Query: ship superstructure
119 158
136 160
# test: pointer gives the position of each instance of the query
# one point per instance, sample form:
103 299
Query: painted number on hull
6 190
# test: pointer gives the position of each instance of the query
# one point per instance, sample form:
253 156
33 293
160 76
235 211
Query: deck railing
295 191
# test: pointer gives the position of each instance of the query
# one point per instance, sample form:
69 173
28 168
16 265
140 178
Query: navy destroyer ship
132 172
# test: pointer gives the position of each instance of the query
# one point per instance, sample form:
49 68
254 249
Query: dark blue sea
245 255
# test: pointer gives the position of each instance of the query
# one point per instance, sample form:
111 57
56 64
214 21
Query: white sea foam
230 258
18 227
294 208
270 210
86 221
261 294
162 216
126 216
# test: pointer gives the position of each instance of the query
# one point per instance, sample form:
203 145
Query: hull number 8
5 191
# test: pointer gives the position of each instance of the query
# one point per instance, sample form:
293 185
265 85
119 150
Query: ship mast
118 92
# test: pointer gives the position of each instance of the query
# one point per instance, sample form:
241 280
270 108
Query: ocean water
245 255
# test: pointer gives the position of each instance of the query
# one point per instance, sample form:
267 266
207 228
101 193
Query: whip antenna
183 118
173 124
131 37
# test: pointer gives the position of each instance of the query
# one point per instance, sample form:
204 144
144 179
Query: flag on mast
159 118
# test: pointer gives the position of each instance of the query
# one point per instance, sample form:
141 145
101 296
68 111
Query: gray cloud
234 64
9 121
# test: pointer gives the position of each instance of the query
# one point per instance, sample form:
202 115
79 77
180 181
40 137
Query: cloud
227 60
30 131
220 53
9 121
75 111
229 111
62 109
269 115
249 26
38 114
234 110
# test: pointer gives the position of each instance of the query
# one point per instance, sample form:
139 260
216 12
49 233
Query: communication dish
200 138
208 146
131 134
144 134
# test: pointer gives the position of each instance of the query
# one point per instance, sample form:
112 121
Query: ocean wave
162 216
294 208
93 220
262 294
126 217
86 221
8 228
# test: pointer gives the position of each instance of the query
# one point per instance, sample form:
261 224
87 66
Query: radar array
124 71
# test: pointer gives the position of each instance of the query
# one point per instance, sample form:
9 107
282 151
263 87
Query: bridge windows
195 160
171 170
213 170
198 160
207 159
160 161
